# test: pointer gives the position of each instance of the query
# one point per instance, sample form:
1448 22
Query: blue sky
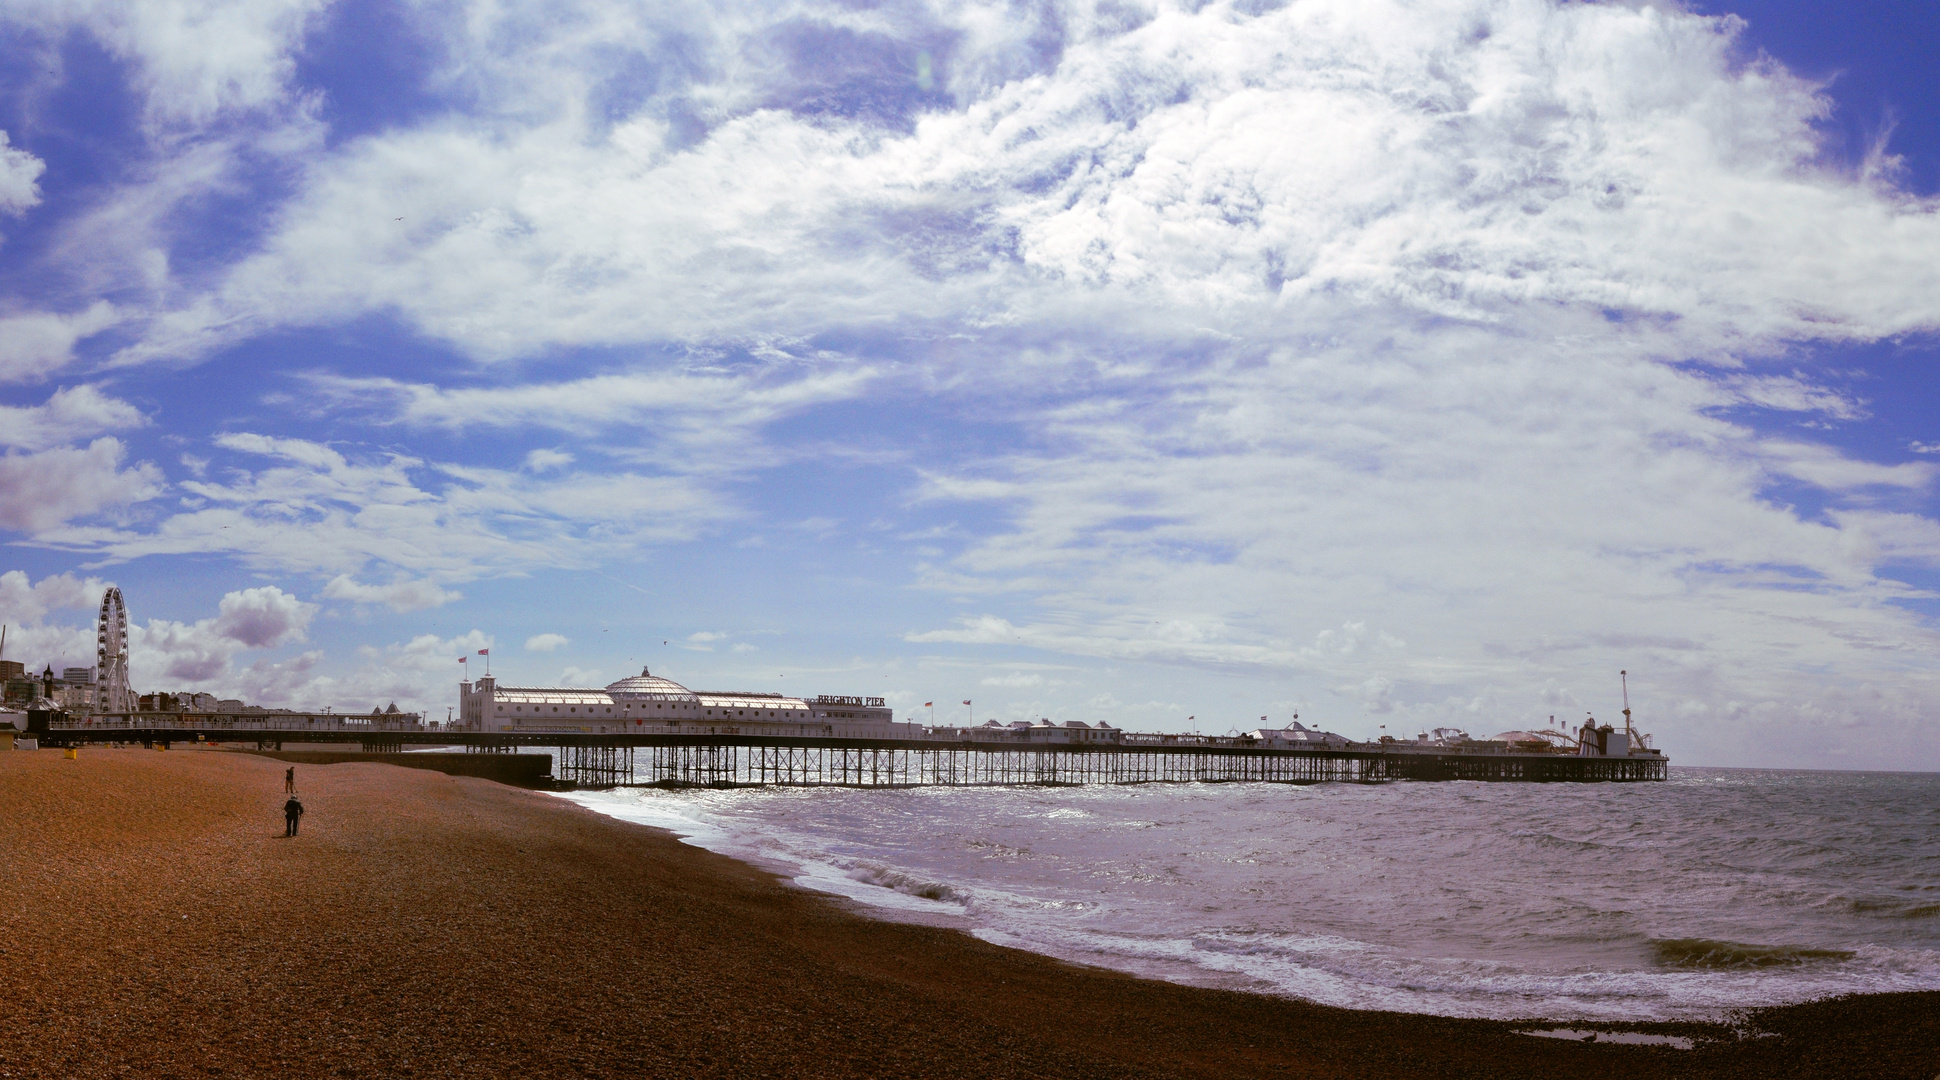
1404 364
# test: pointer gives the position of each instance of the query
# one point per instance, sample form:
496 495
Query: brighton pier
649 730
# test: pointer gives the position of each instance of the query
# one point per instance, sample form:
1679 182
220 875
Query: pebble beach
157 923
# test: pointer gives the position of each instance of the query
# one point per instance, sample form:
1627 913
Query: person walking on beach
289 781
291 811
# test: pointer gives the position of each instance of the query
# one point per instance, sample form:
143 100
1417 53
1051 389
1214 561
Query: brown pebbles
154 922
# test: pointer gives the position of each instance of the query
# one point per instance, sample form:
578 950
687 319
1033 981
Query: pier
754 761
737 760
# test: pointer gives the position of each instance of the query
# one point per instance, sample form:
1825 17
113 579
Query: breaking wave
1700 953
896 880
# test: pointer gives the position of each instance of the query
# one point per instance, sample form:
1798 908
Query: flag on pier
966 701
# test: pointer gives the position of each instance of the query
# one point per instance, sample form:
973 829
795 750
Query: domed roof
647 683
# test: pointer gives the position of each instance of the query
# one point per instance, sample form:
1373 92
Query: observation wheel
111 655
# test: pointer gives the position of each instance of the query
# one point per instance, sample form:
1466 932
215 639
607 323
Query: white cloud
263 617
404 594
200 654
1523 524
421 674
26 604
1794 393
1829 469
23 600
545 642
193 59
543 460
578 676
1459 157
71 413
703 418
307 507
37 344
39 492
19 171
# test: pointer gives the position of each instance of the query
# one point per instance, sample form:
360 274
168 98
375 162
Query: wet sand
155 922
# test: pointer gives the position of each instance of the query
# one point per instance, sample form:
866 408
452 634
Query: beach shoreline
431 925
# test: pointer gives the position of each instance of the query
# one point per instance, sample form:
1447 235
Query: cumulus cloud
418 675
545 642
23 600
421 674
263 617
201 653
19 171
408 594
71 413
39 492
25 607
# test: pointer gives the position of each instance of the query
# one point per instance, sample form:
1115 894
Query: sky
1394 365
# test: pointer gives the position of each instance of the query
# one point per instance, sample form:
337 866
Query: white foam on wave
868 883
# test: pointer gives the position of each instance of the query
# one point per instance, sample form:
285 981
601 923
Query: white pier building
647 704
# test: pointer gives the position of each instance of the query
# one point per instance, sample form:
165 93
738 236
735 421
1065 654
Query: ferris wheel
111 655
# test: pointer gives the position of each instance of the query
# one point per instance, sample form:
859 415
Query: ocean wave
1705 953
1398 898
897 881
1895 909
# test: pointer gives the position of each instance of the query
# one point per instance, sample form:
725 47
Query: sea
1716 891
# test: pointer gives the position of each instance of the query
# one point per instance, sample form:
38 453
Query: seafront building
647 704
